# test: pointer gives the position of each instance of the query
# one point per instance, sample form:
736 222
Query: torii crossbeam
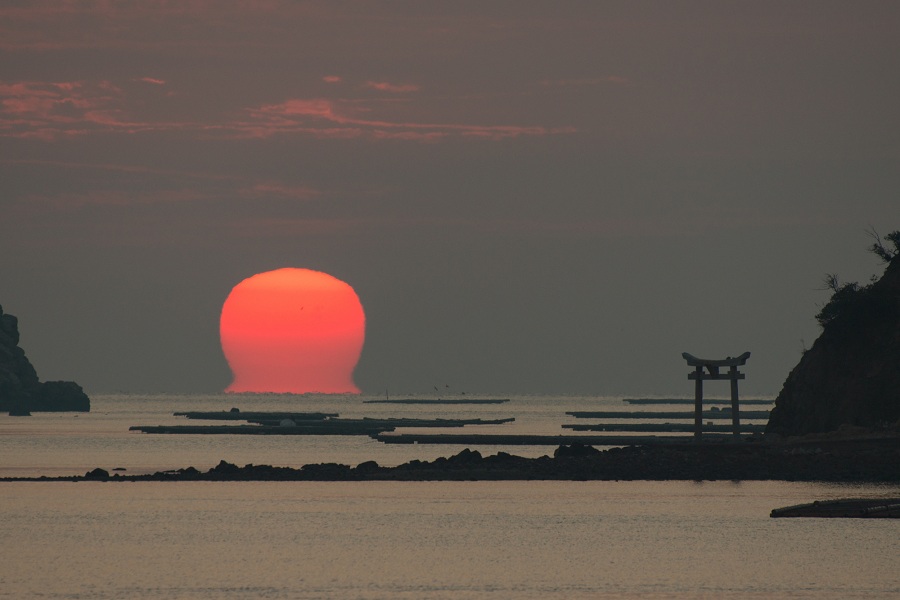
709 369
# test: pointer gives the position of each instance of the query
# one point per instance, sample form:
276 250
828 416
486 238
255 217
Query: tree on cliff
879 248
852 301
851 375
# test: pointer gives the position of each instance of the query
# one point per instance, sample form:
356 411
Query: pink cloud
43 109
332 79
47 99
313 108
54 110
383 86
51 110
152 80
306 116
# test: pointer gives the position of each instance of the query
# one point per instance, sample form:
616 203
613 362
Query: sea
403 540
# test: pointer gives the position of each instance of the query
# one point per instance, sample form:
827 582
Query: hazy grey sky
527 196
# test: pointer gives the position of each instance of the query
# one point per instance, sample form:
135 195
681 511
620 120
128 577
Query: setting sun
292 331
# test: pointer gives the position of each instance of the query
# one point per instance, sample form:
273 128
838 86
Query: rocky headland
21 392
850 378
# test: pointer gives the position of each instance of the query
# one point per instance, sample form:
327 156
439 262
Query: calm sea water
400 540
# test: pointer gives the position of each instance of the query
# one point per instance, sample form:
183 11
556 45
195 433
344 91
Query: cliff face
20 388
851 375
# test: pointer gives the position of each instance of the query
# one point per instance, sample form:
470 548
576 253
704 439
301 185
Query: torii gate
712 372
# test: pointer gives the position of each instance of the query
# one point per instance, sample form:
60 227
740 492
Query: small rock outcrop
850 378
21 392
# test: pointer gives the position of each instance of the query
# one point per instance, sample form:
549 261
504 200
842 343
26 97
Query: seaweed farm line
55 444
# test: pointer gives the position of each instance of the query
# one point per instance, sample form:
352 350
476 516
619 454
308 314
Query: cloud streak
53 110
31 109
328 119
384 86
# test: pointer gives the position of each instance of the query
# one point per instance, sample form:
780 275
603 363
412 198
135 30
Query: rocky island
21 392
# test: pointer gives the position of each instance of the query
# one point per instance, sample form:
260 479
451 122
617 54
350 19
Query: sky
528 197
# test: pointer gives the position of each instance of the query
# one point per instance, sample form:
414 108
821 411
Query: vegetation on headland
852 302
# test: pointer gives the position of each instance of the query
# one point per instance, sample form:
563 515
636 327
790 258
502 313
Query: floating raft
706 401
439 401
329 420
707 414
236 415
846 508
663 427
323 427
544 440
393 422
256 430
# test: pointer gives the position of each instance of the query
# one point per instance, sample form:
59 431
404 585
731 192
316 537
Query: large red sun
292 331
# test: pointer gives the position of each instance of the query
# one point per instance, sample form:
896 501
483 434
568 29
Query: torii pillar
709 369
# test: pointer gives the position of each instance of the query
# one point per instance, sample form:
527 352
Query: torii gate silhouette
709 369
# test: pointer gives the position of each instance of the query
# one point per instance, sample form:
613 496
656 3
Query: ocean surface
374 540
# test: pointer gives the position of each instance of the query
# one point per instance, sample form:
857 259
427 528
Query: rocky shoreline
870 459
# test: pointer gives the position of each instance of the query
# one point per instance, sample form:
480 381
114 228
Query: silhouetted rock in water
575 451
21 392
368 467
97 473
60 396
224 468
851 375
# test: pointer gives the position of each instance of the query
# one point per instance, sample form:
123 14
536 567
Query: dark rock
224 468
20 388
851 375
55 396
327 471
9 325
368 467
575 451
97 473
465 457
